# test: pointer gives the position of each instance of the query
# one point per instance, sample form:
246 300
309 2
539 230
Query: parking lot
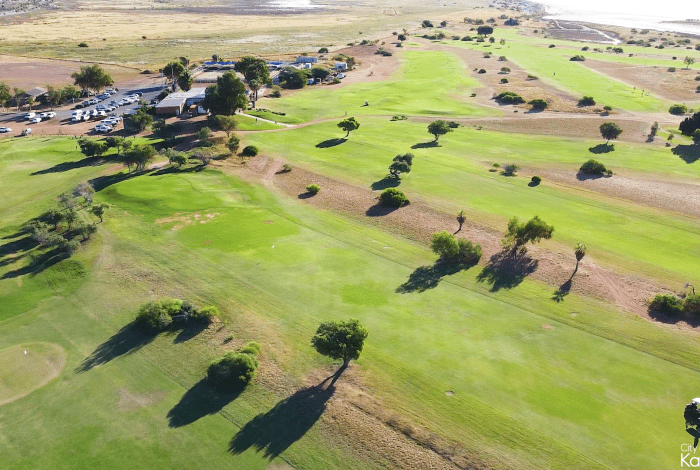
62 115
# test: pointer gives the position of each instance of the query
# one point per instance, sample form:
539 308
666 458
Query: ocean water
644 14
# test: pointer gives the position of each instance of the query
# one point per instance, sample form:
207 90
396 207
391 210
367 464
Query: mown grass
572 395
455 174
427 83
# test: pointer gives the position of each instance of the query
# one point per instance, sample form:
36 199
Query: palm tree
580 252
461 219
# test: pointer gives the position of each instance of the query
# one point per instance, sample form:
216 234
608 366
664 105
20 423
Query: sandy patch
129 400
181 220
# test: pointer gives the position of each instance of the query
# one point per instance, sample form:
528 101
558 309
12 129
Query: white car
114 103
5 129
26 131
341 75
35 120
77 113
102 128
29 116
123 102
49 115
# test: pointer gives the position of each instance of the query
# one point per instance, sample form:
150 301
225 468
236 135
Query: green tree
87 230
70 93
484 30
99 210
185 80
520 233
233 144
253 68
226 96
70 216
233 369
393 197
348 125
688 61
92 77
438 128
173 70
293 78
54 96
5 95
227 124
610 131
92 147
401 164
53 217
696 137
320 72
340 340
142 156
86 191
141 120
174 157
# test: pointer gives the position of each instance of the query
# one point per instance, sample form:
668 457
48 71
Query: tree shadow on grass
602 148
38 263
379 210
102 182
19 245
177 170
199 401
428 277
389 181
275 431
306 195
425 145
128 340
696 434
330 143
191 330
581 176
504 271
85 162
688 153
562 291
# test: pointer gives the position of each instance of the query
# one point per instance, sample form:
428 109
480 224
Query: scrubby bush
535 180
509 169
666 303
158 315
504 80
276 92
678 109
482 71
233 369
586 101
672 69
578 58
252 348
313 188
594 167
250 151
446 245
205 314
286 168
509 97
538 104
393 197
691 304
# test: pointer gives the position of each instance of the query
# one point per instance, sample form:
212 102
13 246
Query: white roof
176 99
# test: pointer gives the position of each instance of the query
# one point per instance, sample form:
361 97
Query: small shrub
205 314
584 48
666 303
482 71
232 370
532 77
586 101
593 167
578 58
671 69
551 46
502 58
691 305
538 104
250 151
82 44
509 169
607 108
158 315
504 80
535 180
286 168
252 348
313 188
678 109
276 92
393 197
323 50
509 97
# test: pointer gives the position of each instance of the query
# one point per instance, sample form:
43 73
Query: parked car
35 120
114 103
29 116
102 128
93 101
5 129
124 101
49 115
111 91
154 101
341 76
26 131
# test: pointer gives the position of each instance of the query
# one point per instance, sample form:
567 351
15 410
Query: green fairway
427 83
276 268
456 173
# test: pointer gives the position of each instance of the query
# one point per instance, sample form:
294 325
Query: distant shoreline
689 26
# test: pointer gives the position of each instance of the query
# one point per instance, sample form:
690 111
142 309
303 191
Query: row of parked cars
108 92
106 125
36 118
